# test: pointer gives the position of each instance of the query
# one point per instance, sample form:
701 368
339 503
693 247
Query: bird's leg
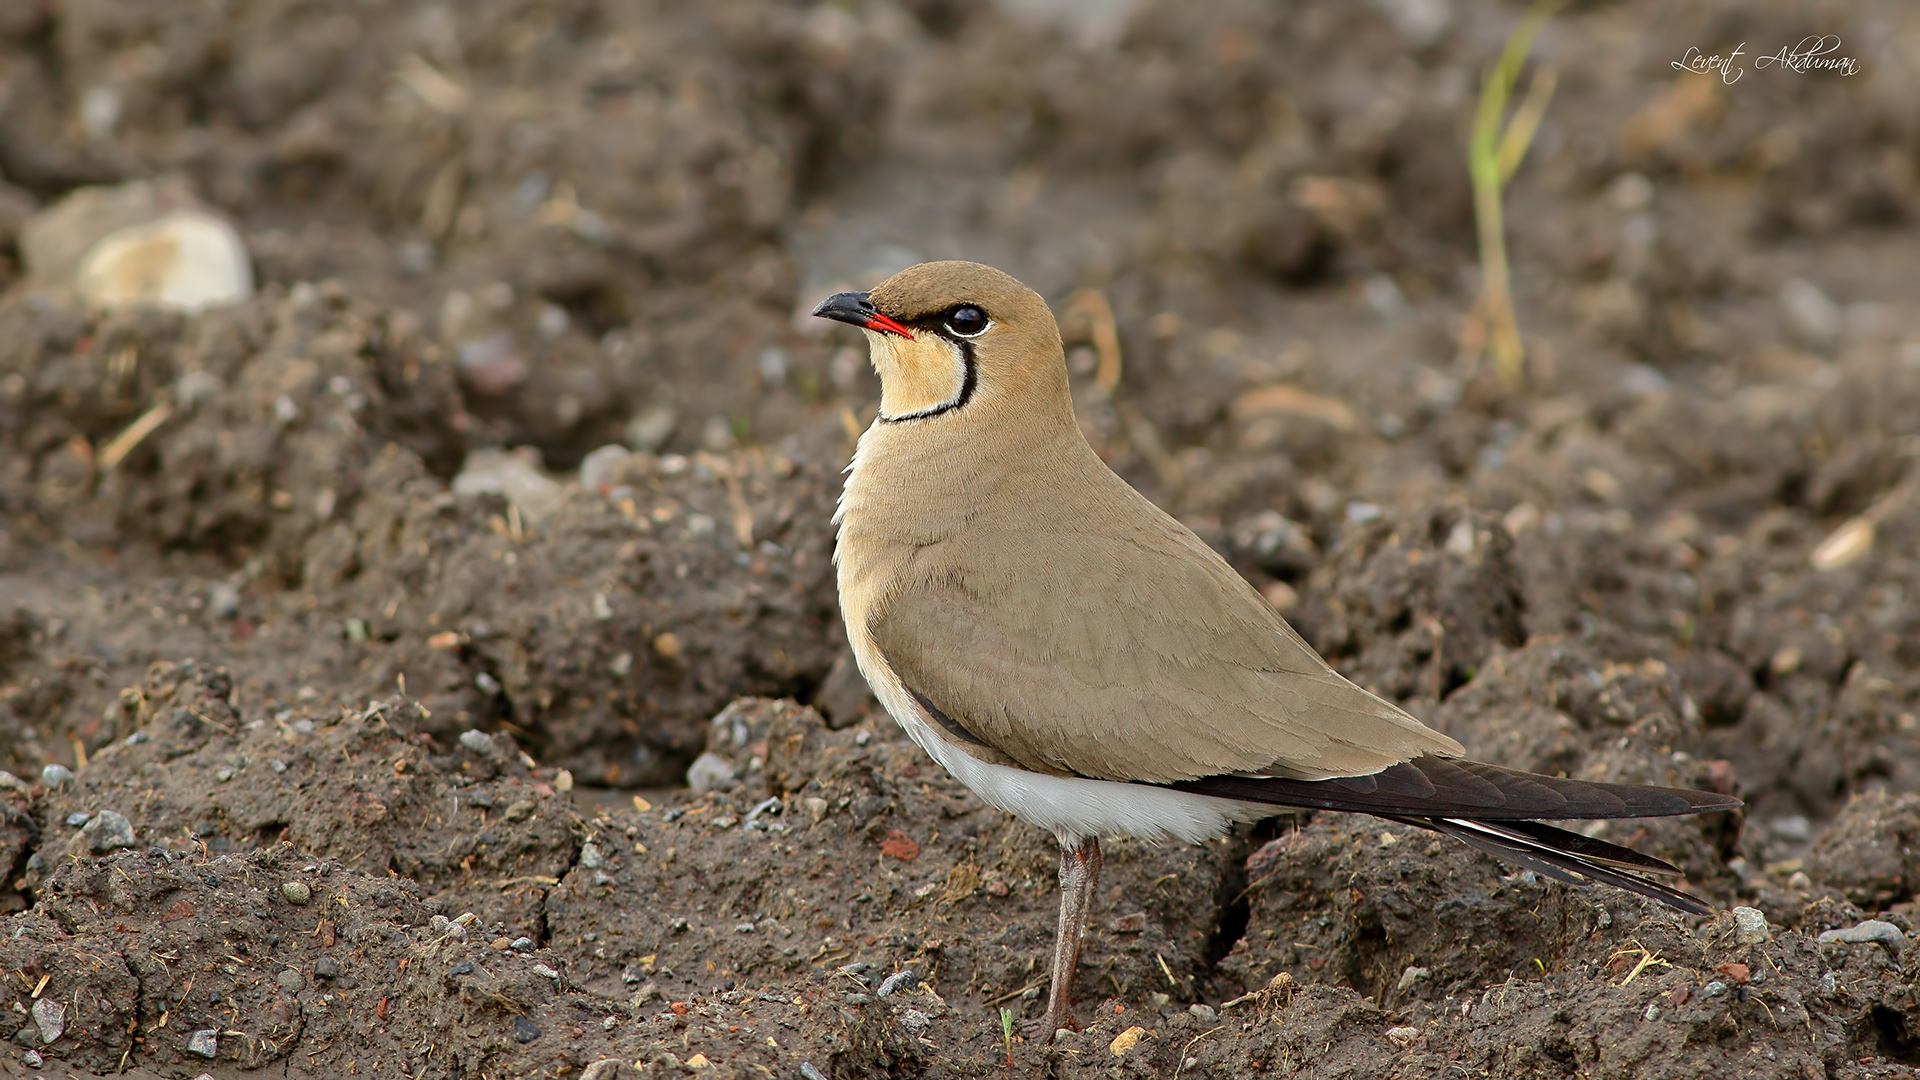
1079 868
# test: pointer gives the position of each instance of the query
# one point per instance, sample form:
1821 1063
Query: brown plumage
1079 658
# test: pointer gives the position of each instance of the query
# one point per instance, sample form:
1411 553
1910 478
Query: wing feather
1153 660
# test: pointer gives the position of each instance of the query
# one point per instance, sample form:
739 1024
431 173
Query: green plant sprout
1006 1030
1495 152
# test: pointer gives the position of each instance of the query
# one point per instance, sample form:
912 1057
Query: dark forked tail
1498 811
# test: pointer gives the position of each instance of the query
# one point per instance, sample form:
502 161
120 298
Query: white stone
186 260
511 475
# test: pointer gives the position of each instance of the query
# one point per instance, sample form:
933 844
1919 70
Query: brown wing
1138 656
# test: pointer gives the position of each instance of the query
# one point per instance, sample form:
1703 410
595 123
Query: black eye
966 320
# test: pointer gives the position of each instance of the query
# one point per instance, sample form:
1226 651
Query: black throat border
969 379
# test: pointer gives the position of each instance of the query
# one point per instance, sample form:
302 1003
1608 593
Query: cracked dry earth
359 720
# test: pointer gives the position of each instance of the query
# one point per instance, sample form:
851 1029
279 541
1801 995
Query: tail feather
1497 810
1568 867
1430 785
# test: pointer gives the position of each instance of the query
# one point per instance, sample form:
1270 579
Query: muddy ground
376 697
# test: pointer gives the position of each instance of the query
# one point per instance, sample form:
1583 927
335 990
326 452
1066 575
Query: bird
1078 658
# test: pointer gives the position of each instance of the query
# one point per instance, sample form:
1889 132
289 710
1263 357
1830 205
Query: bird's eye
966 320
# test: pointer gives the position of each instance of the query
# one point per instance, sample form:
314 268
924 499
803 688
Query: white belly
1070 807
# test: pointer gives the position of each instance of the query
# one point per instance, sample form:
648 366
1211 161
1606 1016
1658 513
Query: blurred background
409 415
504 379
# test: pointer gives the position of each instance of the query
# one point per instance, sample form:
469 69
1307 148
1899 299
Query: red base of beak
888 326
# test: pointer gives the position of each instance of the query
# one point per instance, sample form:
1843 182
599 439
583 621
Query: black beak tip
854 308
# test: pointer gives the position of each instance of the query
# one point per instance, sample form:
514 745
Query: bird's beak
857 309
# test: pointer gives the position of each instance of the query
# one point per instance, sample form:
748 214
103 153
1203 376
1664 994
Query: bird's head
953 339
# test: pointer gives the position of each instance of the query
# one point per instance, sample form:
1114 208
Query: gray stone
478 742
1811 313
524 1030
710 772
290 980
326 968
108 831
591 857
897 982
205 1042
297 892
56 776
1873 931
1749 926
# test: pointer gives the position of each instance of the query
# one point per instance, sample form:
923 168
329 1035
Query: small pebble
459 970
205 1042
55 776
78 819
478 742
523 944
1402 1037
816 807
326 968
524 1030
296 892
108 831
858 999
808 1072
277 765
32 1059
915 1021
224 773
897 982
545 972
136 738
500 944
601 467
1202 1013
710 772
1869 932
50 1017
1749 926
590 856
290 980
